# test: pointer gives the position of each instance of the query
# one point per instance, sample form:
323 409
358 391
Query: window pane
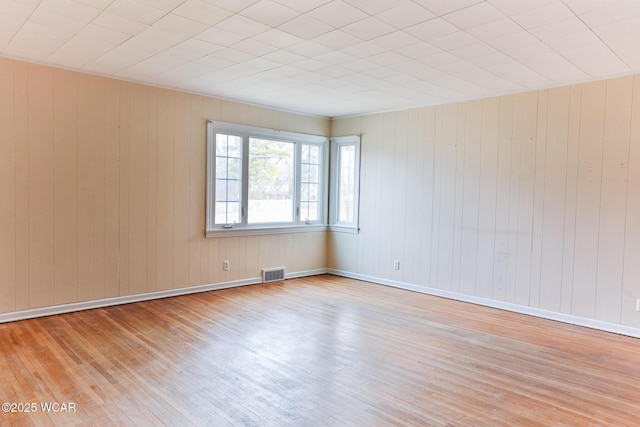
271 181
228 176
314 154
347 180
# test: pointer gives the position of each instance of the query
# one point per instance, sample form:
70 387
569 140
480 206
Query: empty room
320 212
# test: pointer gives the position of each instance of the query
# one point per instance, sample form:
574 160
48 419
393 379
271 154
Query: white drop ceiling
331 57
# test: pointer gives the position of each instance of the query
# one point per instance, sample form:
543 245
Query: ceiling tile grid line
376 55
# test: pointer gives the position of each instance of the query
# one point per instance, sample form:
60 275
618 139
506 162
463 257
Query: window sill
256 231
344 229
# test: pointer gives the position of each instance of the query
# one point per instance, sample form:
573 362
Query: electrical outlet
396 265
638 304
225 265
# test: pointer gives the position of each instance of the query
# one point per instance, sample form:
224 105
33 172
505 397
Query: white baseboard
106 302
306 273
531 311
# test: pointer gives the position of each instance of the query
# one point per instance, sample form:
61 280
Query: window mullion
244 211
297 181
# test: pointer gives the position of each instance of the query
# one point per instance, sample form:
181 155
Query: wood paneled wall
532 199
102 190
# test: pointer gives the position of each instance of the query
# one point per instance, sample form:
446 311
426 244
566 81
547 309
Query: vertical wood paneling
197 179
505 145
631 269
413 216
41 186
152 192
426 182
554 199
65 163
514 198
571 193
138 188
181 171
124 181
447 197
399 237
21 135
165 190
386 228
526 197
488 197
7 189
589 197
615 169
471 199
111 188
98 100
434 259
459 210
87 174
538 198
368 161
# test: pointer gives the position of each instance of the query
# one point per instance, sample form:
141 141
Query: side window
345 183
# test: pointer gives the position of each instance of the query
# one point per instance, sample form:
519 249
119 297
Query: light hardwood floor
316 351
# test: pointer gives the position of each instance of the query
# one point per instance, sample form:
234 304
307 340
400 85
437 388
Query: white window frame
334 223
244 228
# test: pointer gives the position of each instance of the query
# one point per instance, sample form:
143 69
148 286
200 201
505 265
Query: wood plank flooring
320 351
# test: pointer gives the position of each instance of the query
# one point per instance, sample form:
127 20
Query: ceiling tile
277 38
473 50
305 27
155 39
362 50
596 59
432 29
254 47
284 57
136 11
337 14
220 37
534 49
551 32
269 13
555 67
442 7
396 41
373 7
405 15
117 59
202 12
192 49
581 7
119 23
70 9
494 29
511 7
474 15
454 40
241 25
166 5
308 49
612 13
368 28
547 14
418 50
179 25
336 39
303 6
151 66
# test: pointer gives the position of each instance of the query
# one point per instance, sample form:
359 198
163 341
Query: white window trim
334 224
296 226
